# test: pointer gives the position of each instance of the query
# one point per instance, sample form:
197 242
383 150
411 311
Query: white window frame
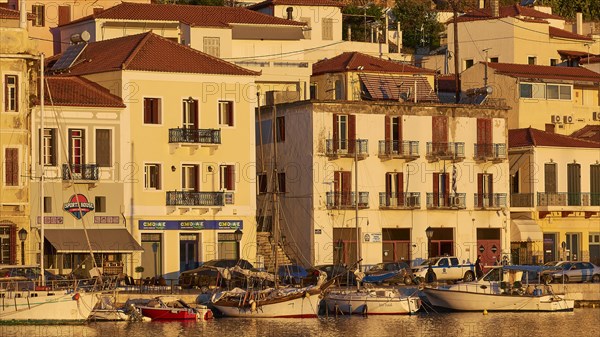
11 103
343 134
39 21
224 118
148 176
560 87
538 90
187 184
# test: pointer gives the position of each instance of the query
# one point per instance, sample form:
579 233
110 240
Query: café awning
101 240
525 230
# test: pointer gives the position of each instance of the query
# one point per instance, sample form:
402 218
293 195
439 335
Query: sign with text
192 224
372 237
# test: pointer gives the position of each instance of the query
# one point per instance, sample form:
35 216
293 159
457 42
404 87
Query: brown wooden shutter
230 177
53 149
64 15
6 100
337 187
11 166
230 113
155 111
336 136
480 190
196 178
388 143
351 133
347 188
447 188
491 187
147 110
400 136
388 188
40 137
16 93
436 189
400 188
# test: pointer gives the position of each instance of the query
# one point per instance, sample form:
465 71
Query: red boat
172 308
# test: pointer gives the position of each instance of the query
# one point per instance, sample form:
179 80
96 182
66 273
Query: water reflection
581 322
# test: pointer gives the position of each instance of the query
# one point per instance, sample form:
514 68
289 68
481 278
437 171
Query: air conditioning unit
555 119
596 115
568 119
455 201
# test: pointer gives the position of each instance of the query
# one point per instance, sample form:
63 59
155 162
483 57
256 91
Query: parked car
208 276
27 276
291 274
571 271
343 276
400 272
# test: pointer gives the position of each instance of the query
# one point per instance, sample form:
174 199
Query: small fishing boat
372 301
172 308
501 289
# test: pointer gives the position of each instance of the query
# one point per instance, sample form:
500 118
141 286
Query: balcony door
344 133
439 134
342 186
189 178
76 149
394 184
190 114
485 193
393 134
484 137
441 189
574 184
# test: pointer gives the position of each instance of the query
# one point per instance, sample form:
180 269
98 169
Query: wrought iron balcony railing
346 148
445 201
80 172
195 136
398 149
568 199
490 200
189 198
492 152
346 200
521 200
410 200
445 151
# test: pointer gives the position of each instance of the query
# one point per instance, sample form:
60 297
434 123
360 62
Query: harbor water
582 322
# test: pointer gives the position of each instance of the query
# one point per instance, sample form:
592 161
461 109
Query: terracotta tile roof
533 137
588 132
6 13
545 72
78 91
269 3
565 34
446 83
507 11
572 53
350 61
150 52
397 88
591 59
200 16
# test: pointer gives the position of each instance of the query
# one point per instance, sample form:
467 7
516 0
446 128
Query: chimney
22 15
495 8
579 24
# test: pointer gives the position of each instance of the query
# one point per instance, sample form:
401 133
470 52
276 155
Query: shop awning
525 230
101 240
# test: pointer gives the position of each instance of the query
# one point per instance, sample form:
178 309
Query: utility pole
485 76
454 4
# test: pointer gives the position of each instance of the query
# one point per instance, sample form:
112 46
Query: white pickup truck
445 268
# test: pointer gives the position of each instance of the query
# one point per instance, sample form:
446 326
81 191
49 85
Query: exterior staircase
265 250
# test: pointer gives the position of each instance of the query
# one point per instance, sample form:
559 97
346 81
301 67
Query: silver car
572 271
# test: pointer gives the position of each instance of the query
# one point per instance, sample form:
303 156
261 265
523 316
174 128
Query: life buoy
76 297
208 315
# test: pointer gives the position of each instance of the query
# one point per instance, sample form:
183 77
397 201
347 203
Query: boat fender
485 312
208 315
76 297
306 294
253 306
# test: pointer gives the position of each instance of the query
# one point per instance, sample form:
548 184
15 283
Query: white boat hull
472 301
373 302
46 306
300 307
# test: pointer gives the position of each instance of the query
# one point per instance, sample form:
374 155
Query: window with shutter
152 176
103 148
212 46
48 142
152 110
11 166
226 113
190 113
227 177
550 177
64 14
327 27
11 93
189 178
39 12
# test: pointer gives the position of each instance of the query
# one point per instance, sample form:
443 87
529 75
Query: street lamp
22 237
429 233
237 235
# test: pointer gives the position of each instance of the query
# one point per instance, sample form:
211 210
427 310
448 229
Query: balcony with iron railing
490 200
346 200
446 201
490 152
195 136
80 172
445 151
346 148
521 200
191 198
566 199
410 200
393 149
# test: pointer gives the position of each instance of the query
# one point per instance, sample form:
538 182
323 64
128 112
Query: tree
360 20
194 2
568 8
418 22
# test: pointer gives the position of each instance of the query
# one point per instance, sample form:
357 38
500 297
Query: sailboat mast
42 152
356 204
275 195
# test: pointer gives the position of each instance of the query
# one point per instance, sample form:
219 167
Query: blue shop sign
194 225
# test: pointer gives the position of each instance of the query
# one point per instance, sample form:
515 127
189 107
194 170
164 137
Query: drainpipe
22 15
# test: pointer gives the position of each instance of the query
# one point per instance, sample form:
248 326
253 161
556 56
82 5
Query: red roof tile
588 132
78 91
397 88
591 59
350 61
545 72
533 137
446 83
507 11
269 3
150 52
572 53
200 16
6 13
565 34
